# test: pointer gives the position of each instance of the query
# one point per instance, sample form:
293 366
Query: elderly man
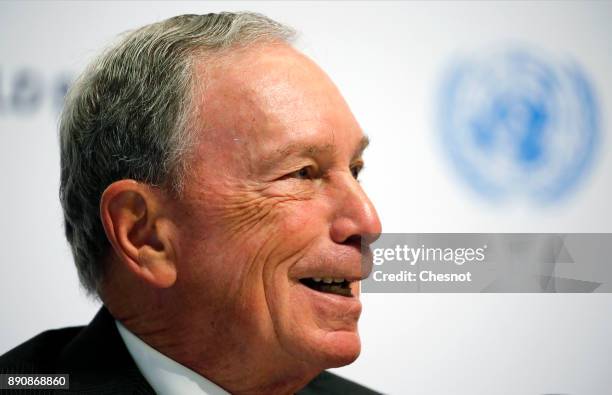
210 194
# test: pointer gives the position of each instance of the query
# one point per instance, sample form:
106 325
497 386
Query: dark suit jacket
98 362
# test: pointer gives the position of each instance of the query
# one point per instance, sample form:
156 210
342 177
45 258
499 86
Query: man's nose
356 219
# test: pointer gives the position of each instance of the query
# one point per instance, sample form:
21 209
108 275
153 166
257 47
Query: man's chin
338 348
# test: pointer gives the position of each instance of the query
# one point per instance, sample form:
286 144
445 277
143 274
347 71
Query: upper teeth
328 280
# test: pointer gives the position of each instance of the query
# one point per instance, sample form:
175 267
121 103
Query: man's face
271 206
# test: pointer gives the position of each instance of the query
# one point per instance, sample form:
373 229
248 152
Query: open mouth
337 286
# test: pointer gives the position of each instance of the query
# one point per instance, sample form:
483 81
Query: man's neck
252 370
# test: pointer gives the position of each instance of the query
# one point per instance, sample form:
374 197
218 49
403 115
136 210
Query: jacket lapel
98 361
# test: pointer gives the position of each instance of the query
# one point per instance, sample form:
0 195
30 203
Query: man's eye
355 170
305 173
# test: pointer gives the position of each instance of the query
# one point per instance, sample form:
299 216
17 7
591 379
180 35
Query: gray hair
128 117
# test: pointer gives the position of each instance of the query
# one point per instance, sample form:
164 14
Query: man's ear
139 233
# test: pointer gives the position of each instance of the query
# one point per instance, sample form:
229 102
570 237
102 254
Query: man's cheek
255 212
303 218
250 213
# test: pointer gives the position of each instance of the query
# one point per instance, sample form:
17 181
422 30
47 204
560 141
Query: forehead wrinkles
257 100
275 79
226 112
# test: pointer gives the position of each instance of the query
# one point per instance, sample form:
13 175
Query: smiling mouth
336 286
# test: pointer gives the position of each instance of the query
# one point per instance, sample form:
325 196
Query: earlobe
133 218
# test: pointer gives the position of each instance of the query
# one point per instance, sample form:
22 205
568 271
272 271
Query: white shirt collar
166 376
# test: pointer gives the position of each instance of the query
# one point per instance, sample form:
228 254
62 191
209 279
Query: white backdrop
387 59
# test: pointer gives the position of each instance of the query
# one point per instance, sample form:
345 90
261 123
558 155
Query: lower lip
332 304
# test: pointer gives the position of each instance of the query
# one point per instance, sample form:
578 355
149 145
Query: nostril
370 238
354 240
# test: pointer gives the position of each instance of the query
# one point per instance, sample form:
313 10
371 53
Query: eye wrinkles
309 160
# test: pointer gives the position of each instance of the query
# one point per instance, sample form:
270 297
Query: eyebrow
363 144
297 148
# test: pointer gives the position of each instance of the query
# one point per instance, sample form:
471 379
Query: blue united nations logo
515 125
